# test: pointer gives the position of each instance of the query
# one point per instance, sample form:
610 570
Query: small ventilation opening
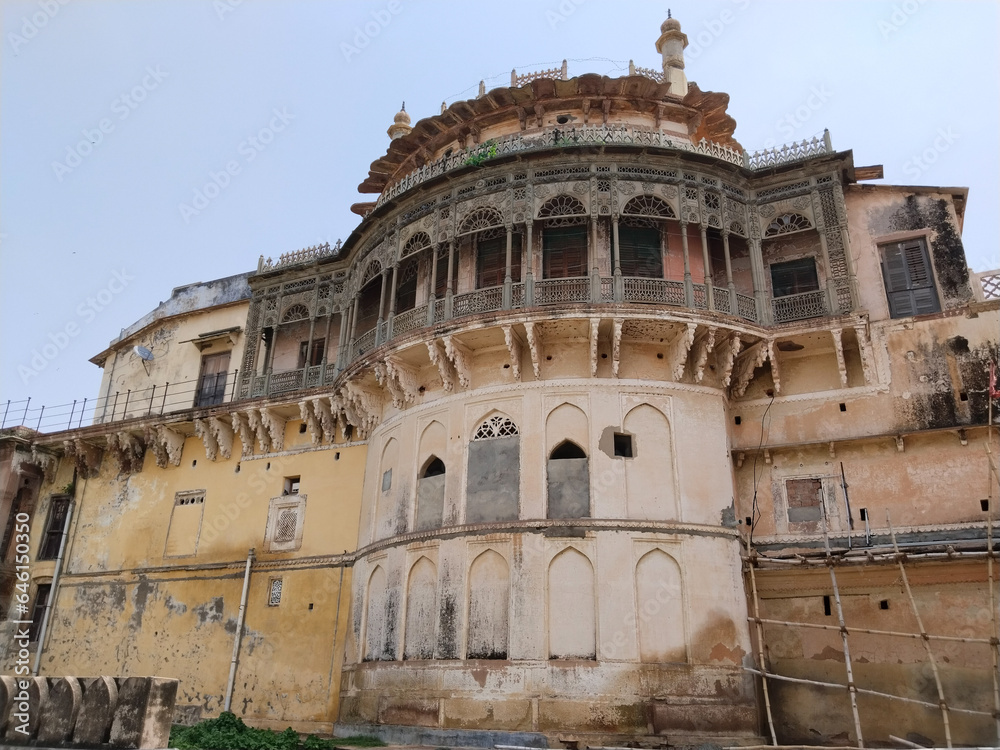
826 606
336 456
864 514
984 504
562 119
623 445
659 355
302 428
310 606
749 521
237 469
738 420
435 468
963 396
195 462
348 433
884 604
843 407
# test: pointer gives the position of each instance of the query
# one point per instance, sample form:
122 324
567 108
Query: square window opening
794 277
624 445
291 486
826 605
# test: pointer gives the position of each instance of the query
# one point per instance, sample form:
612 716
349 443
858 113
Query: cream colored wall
175 361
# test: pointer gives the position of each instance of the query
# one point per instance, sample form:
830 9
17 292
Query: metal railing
799 306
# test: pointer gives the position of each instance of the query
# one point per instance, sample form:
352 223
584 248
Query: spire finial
403 108
668 13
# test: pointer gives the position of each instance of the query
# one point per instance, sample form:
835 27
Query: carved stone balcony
799 306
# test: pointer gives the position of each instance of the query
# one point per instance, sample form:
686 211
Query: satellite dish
144 354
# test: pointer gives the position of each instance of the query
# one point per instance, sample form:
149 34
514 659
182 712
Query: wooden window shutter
909 282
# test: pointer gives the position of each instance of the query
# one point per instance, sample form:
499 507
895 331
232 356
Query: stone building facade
592 421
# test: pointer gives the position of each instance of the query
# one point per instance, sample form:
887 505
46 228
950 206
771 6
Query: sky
116 115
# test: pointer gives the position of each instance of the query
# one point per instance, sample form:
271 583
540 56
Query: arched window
786 224
480 219
494 476
294 313
568 479
491 258
406 286
564 238
416 243
639 249
368 304
430 495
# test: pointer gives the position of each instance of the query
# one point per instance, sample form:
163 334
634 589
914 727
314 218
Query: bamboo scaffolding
995 650
760 654
869 631
866 691
851 688
923 633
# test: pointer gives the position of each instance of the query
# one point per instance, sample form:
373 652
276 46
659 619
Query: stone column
831 288
508 279
759 287
341 338
392 300
431 299
354 324
707 261
616 252
381 308
734 307
449 292
688 286
595 270
529 264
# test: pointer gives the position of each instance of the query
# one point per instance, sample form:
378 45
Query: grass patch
228 732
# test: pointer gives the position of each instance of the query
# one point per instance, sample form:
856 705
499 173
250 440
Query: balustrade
562 291
799 306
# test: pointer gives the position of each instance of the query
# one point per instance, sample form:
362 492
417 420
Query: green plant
69 489
485 152
228 732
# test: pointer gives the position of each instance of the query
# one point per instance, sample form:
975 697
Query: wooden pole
760 649
923 633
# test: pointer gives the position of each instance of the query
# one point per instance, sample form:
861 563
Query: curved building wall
628 618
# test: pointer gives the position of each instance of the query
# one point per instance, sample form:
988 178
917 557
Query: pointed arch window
491 258
494 474
568 482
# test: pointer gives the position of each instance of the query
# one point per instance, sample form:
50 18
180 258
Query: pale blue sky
889 79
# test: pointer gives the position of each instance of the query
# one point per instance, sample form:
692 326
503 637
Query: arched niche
431 477
494 475
380 627
572 607
421 611
659 608
649 472
489 606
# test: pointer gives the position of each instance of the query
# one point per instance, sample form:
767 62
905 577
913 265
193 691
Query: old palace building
597 428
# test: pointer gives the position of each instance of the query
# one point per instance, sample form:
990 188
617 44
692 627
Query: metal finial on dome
668 14
400 124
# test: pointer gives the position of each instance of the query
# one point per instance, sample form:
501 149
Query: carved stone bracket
384 379
308 415
461 359
704 345
514 348
363 407
128 451
45 462
616 344
867 355
746 363
241 425
407 379
775 371
269 429
595 326
838 345
202 430
535 346
726 358
325 416
679 349
87 457
166 444
435 349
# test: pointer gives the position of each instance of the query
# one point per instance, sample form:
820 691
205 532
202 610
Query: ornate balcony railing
767 158
363 344
299 256
562 291
653 291
600 135
479 301
747 307
799 306
282 382
721 299
407 321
